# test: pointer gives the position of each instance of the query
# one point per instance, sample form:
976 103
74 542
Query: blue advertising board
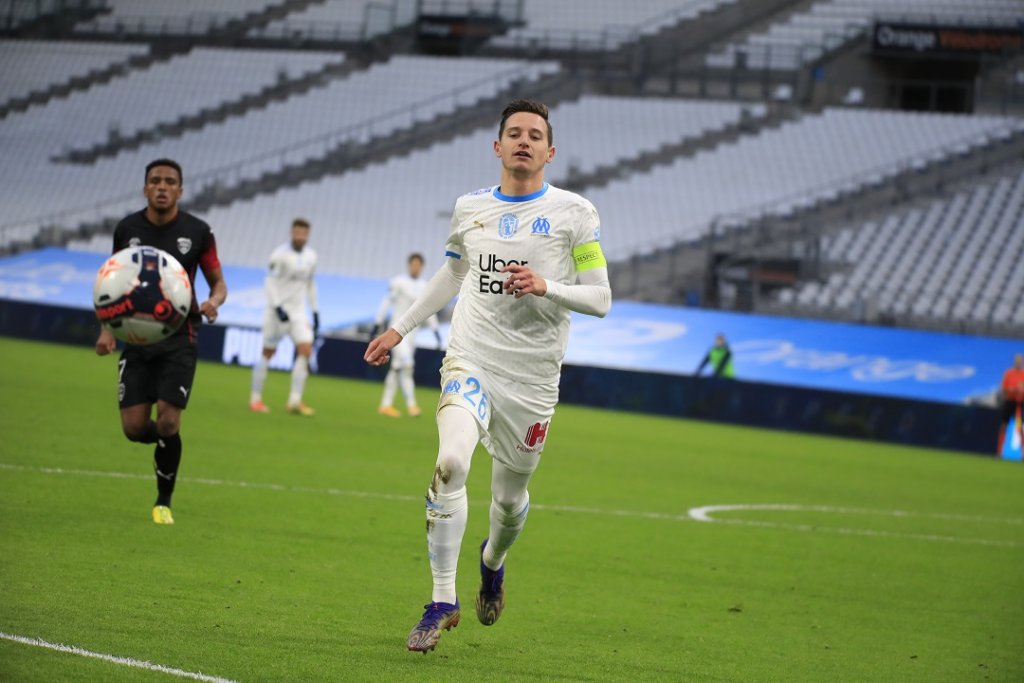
750 404
1010 440
926 366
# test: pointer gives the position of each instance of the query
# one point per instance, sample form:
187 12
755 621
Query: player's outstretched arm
439 291
218 293
106 343
378 351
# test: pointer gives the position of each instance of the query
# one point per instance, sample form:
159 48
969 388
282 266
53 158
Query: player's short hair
415 256
165 162
531 107
300 223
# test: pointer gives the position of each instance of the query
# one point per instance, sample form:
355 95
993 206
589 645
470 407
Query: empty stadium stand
21 15
952 263
692 124
186 83
361 204
812 159
805 36
602 25
34 67
178 17
808 159
397 94
339 20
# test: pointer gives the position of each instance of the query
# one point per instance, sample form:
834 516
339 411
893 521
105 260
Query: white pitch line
114 659
333 492
703 514
214 482
698 514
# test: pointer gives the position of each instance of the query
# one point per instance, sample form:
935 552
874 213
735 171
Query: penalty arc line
703 514
696 514
114 659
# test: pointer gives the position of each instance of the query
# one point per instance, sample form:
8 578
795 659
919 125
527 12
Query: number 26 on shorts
481 405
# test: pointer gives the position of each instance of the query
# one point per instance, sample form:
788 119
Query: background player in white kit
521 256
290 283
403 290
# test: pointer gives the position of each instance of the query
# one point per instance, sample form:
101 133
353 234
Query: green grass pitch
299 552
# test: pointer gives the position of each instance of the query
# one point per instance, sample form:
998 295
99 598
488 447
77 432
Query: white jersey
290 280
403 290
523 339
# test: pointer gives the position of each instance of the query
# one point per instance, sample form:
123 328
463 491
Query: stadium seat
803 36
34 65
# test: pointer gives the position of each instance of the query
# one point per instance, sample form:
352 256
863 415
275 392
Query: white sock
447 507
446 524
390 384
300 371
408 388
259 377
505 527
510 503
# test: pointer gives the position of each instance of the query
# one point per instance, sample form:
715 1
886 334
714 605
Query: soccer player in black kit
162 373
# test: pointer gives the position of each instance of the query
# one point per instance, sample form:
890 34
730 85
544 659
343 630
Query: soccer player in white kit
521 256
403 290
290 283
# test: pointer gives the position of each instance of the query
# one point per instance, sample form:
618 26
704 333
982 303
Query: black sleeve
208 259
121 234
707 357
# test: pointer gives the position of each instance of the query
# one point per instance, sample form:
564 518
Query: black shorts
1010 409
163 371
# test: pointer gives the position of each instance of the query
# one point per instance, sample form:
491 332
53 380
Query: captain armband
588 256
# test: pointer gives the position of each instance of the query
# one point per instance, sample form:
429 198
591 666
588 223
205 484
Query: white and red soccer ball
142 295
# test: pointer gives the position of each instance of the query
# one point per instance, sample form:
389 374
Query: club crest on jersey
508 225
541 226
134 242
597 233
184 245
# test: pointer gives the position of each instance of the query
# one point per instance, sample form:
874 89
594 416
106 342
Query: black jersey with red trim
187 238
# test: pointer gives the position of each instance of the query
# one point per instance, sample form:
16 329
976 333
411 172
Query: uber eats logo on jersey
492 264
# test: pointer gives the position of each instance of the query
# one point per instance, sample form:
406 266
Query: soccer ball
142 295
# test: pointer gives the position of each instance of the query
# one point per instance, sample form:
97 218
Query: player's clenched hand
209 309
106 343
523 281
377 351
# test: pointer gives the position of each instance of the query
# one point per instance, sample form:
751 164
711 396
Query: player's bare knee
168 419
168 425
135 431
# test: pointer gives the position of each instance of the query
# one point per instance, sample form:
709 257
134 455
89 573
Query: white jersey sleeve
593 293
311 291
272 280
290 279
438 291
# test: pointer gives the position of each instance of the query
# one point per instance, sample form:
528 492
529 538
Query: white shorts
513 417
296 327
403 353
